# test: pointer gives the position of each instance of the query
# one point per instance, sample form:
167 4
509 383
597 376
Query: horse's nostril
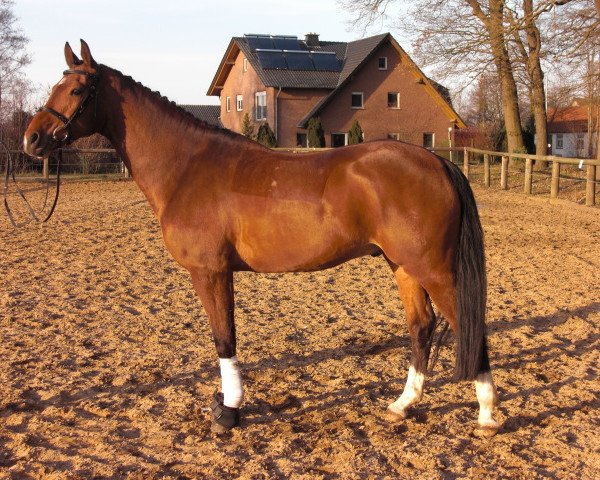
34 137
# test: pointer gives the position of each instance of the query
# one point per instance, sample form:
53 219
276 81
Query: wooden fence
510 161
514 161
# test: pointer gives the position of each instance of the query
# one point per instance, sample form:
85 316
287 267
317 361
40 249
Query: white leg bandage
413 391
231 382
486 396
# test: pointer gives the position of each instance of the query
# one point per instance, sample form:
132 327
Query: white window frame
385 62
559 141
393 136
239 103
245 65
397 106
263 111
228 104
362 100
580 141
345 134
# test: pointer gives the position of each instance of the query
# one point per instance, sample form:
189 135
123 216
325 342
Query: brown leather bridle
58 137
66 127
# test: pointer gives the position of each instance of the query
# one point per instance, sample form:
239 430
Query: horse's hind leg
421 323
444 296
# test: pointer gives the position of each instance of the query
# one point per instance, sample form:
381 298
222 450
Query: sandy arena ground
107 361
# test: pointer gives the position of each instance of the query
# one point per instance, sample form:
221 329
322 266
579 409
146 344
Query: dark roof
209 113
286 78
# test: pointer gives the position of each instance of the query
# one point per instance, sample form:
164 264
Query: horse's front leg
215 290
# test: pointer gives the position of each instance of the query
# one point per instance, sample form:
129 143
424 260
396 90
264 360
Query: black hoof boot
223 418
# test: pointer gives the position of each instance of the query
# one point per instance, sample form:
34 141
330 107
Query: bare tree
460 38
575 49
13 56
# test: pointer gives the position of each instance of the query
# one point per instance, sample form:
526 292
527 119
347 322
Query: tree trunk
536 76
508 87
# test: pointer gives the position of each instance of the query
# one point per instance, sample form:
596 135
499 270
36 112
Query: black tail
471 284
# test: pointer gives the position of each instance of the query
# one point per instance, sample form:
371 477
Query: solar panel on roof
299 60
271 59
325 61
286 43
259 41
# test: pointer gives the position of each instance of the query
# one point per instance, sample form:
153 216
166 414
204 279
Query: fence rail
508 162
95 161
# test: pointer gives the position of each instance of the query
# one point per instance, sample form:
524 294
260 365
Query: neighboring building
287 81
568 132
208 113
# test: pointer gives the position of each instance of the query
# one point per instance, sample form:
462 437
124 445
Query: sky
173 46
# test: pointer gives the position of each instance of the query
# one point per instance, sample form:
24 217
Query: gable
360 53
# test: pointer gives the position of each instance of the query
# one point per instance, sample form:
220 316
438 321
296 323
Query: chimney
311 40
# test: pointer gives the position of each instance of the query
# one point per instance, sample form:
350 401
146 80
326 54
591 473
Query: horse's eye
76 91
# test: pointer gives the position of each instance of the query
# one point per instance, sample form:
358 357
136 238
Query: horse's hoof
486 431
395 414
223 418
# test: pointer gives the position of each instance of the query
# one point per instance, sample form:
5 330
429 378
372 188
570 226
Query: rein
34 216
57 136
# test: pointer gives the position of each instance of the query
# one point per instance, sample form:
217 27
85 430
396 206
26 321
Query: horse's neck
152 143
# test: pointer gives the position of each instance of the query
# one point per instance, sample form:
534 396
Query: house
286 81
207 113
569 129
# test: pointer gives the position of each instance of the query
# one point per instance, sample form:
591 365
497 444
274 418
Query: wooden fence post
466 164
486 169
590 186
555 183
528 178
45 171
504 173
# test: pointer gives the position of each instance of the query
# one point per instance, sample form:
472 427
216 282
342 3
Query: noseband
66 127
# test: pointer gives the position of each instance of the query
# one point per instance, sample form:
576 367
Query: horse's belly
298 243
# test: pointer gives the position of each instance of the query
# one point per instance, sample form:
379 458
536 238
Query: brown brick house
287 81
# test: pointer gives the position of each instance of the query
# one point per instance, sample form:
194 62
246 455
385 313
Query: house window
382 63
245 65
394 136
393 99
339 139
428 140
228 104
580 141
559 141
301 140
357 100
239 103
260 101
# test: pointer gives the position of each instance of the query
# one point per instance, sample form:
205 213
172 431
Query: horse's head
70 111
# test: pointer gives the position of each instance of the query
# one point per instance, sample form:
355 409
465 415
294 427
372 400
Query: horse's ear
86 54
70 57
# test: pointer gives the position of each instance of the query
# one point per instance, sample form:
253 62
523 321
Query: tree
265 136
484 111
315 134
529 53
247 127
12 46
575 41
355 135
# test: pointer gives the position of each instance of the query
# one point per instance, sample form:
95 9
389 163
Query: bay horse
226 203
